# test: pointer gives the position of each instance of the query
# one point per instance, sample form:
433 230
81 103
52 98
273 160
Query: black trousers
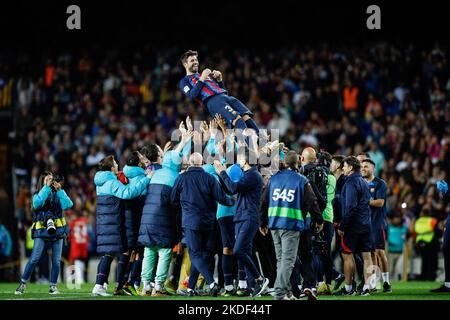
306 259
267 257
429 255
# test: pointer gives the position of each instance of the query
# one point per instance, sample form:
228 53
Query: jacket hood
133 171
172 161
102 176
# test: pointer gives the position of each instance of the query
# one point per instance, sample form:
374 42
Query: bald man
197 193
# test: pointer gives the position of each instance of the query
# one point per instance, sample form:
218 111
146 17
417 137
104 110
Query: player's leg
220 105
226 227
368 271
365 246
103 269
122 266
244 112
348 249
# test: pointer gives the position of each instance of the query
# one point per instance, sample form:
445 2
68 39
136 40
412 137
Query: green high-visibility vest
424 229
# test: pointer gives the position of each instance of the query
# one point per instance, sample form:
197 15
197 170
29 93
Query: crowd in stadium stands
391 102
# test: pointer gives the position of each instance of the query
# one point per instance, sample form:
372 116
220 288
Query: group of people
149 208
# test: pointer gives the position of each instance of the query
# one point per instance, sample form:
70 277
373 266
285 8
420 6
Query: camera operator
49 227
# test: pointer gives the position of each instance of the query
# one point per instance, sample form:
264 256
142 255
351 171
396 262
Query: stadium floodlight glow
403 205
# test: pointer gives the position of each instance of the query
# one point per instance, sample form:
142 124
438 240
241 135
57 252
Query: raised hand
205 74
56 185
181 127
189 124
213 127
204 127
219 167
167 147
216 75
48 180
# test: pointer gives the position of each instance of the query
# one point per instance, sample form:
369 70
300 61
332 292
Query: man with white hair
197 193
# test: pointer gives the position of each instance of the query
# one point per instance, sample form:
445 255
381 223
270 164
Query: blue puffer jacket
159 218
111 232
133 208
50 204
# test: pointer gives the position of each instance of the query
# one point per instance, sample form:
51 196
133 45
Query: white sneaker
99 290
21 288
105 286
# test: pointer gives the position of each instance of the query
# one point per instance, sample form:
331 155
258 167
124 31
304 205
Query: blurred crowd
389 101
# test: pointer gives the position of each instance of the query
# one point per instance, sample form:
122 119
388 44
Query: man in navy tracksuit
443 188
378 189
208 88
355 227
197 191
246 218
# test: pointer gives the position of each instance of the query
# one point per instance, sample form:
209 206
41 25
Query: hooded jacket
133 208
111 231
158 225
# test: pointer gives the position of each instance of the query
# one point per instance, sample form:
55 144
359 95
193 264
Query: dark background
36 25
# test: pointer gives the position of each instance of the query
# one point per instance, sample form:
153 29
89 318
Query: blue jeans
39 246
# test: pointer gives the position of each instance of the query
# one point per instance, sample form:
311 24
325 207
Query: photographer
49 227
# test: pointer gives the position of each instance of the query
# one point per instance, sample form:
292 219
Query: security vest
286 195
424 229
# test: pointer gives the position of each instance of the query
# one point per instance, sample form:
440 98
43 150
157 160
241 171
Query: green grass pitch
413 290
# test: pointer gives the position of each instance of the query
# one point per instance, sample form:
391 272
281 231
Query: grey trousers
286 246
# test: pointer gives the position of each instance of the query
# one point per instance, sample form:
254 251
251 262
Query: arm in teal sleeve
66 203
211 146
128 191
186 149
40 198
